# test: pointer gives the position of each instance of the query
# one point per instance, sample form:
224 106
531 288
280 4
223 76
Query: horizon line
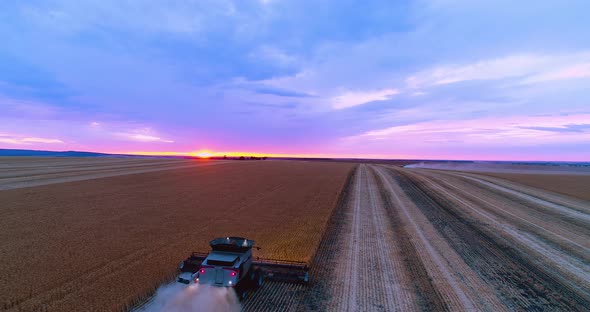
205 154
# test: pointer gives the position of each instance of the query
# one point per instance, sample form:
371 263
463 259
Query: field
567 184
101 243
17 172
388 238
429 240
572 180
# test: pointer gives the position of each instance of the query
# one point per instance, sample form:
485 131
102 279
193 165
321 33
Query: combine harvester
230 264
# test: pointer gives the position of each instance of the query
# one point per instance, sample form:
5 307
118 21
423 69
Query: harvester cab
230 263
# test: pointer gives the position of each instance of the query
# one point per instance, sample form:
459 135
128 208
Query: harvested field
17 172
571 185
460 242
424 240
100 244
571 180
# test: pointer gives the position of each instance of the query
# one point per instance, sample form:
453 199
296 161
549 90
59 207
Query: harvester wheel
252 275
258 278
306 278
241 293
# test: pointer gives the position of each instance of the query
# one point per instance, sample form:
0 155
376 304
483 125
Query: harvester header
230 263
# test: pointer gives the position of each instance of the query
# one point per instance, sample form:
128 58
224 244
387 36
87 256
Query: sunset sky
440 79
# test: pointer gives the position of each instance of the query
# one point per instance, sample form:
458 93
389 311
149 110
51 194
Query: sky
438 79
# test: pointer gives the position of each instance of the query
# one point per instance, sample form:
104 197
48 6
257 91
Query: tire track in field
360 265
572 203
41 170
557 207
351 268
373 283
455 296
421 293
88 174
519 278
542 225
381 236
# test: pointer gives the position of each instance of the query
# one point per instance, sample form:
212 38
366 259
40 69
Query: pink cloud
516 130
577 71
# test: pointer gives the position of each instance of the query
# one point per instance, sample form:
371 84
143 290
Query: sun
203 154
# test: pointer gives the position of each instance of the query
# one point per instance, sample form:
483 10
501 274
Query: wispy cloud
144 138
525 68
354 98
564 128
576 71
524 130
282 92
41 140
23 140
126 132
509 66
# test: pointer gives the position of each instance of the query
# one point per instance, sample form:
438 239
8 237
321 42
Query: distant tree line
252 158
247 157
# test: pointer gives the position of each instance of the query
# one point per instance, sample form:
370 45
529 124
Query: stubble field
566 184
431 240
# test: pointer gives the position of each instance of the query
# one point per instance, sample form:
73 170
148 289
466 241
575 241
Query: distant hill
21 152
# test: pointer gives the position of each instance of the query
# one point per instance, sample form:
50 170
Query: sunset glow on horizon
466 157
468 80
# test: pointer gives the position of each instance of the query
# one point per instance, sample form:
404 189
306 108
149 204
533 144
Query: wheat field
102 244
